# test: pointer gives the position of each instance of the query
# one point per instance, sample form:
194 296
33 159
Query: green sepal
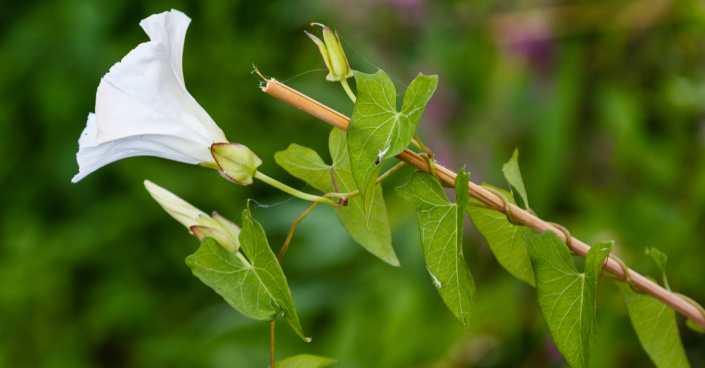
202 232
237 163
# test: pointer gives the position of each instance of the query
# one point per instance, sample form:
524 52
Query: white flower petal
92 156
179 209
143 107
170 29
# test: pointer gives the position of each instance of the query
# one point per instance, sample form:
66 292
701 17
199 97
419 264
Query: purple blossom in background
552 352
529 38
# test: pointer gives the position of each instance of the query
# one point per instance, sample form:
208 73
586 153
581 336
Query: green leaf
377 130
567 297
232 277
694 326
655 325
516 183
305 361
441 227
659 259
654 322
253 241
306 164
356 216
504 238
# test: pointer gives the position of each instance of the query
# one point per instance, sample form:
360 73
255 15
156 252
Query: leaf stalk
296 193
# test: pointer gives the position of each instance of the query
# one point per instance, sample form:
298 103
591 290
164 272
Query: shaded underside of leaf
233 279
440 225
305 361
655 325
377 131
504 239
566 297
266 268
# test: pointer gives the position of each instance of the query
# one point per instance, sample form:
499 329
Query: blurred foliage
605 100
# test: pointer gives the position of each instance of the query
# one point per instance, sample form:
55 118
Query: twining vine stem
340 121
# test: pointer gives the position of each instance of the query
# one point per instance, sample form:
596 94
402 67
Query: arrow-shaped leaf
655 323
567 297
504 238
441 226
305 164
305 361
233 278
360 212
377 130
253 241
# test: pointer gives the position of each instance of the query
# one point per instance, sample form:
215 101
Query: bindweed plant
143 108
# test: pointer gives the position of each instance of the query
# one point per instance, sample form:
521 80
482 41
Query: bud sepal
237 163
198 222
333 55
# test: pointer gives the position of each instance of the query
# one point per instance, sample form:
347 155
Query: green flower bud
333 54
198 222
237 163
223 231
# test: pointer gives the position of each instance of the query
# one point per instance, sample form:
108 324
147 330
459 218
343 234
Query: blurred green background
605 100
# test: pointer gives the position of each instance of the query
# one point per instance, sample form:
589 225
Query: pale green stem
379 180
347 89
420 146
417 144
296 193
390 171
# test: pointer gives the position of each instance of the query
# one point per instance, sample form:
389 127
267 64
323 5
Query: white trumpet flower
143 107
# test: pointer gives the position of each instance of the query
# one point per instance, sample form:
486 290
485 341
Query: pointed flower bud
237 163
199 224
333 54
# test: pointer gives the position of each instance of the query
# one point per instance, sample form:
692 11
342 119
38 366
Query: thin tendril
507 209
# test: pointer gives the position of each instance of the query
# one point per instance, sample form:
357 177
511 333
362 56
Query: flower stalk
296 193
